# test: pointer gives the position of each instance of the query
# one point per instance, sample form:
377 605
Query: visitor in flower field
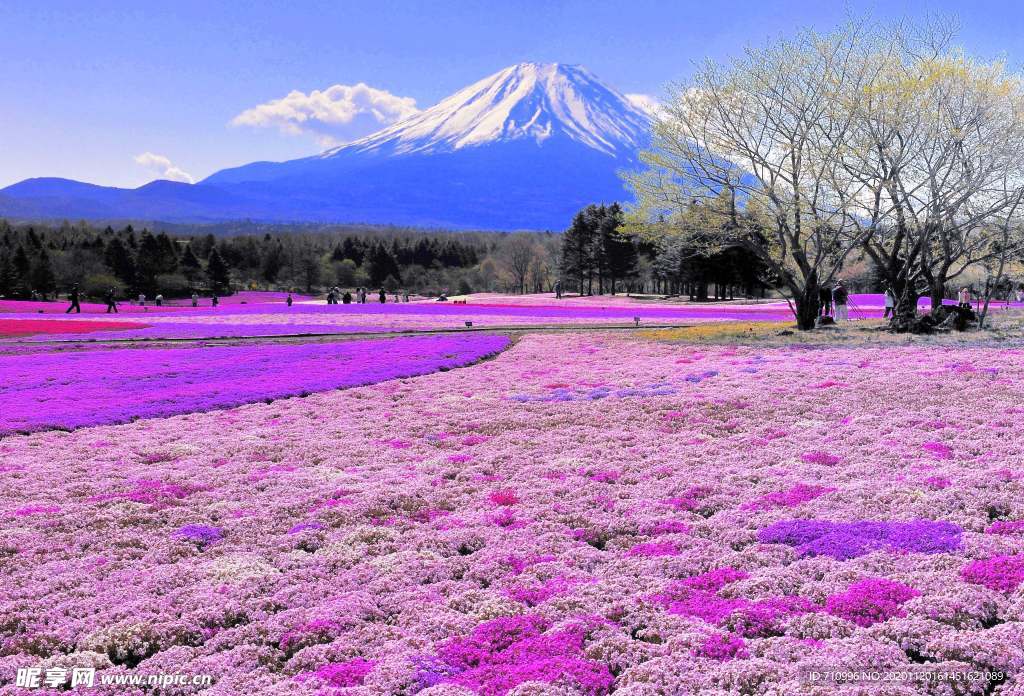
214 301
159 300
964 298
73 296
405 295
195 300
1020 293
840 296
289 300
109 297
346 298
890 302
825 300
382 296
558 289
142 299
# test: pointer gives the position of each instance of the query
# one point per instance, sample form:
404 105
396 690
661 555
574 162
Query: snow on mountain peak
528 101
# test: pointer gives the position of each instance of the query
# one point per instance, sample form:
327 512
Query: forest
593 256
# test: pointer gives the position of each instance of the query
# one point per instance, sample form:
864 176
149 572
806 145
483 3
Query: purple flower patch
844 540
199 533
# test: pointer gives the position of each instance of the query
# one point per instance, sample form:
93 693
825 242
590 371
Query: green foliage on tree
218 273
42 278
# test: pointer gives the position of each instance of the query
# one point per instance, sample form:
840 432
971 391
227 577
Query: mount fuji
522 149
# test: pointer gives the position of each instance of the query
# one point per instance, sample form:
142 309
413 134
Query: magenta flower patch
870 601
1000 573
1006 527
351 673
938 450
722 648
503 653
798 494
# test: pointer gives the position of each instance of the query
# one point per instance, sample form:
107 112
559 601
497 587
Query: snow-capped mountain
522 149
529 101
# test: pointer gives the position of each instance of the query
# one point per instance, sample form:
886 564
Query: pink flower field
586 513
252 314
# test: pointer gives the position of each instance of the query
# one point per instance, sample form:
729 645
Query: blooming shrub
869 601
351 673
1000 573
722 647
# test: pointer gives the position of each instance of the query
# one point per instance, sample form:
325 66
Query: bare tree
875 138
748 135
931 160
518 253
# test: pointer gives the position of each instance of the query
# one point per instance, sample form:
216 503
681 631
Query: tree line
593 256
41 260
600 253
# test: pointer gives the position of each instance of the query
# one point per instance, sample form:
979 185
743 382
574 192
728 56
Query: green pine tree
218 273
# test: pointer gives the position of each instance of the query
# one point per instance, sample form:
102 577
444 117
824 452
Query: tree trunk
906 310
937 290
807 307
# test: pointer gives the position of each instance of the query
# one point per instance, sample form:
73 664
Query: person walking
142 299
74 297
159 300
558 289
964 299
840 296
890 302
110 297
405 295
825 300
289 300
346 298
382 296
214 301
195 300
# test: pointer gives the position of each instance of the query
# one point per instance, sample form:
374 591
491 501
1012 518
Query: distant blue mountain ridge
522 149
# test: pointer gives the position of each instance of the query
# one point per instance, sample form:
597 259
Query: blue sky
122 93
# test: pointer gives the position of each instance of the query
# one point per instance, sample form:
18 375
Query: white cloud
645 102
336 115
163 168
